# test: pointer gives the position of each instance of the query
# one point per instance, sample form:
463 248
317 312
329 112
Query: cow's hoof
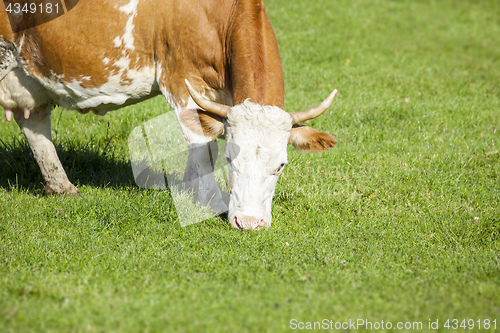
67 189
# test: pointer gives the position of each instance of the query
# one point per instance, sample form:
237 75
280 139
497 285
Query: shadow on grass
88 163
85 164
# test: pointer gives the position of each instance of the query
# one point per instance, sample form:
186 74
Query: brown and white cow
102 55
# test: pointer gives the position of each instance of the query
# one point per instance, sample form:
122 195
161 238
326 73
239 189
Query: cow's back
103 55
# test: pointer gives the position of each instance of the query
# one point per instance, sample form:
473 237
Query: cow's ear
306 139
211 125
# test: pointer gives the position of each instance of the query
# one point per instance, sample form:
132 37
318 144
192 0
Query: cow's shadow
85 164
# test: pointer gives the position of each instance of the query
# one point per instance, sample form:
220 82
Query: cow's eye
280 168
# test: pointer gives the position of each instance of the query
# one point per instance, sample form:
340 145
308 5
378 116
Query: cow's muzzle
247 223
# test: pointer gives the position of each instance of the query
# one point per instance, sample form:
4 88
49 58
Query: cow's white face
256 152
257 137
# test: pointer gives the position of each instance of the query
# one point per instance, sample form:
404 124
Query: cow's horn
207 105
301 116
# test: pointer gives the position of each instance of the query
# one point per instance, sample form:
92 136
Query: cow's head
256 152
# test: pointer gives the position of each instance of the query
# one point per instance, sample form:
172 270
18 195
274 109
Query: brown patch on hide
211 125
73 47
256 70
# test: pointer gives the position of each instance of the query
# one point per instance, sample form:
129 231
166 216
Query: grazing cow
215 61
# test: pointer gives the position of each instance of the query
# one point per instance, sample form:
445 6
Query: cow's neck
256 70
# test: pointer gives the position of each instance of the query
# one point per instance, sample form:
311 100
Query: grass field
399 223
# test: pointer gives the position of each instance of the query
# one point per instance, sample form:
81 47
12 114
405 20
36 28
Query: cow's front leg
199 177
36 129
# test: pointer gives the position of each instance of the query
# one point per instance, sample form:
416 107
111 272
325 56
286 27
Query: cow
216 62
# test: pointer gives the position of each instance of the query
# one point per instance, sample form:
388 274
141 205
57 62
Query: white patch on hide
130 8
111 95
56 77
117 42
127 39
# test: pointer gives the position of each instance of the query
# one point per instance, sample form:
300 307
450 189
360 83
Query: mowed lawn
399 223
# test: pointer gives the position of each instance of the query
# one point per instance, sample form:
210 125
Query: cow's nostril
236 223
247 223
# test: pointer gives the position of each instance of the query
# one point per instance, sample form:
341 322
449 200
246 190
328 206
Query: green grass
401 222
